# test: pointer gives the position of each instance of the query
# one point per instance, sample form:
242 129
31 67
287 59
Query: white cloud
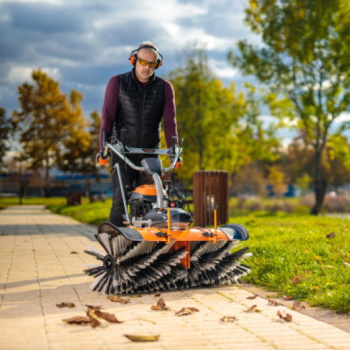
52 72
49 2
18 74
157 11
198 37
222 69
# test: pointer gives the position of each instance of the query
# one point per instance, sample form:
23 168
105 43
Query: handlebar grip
104 138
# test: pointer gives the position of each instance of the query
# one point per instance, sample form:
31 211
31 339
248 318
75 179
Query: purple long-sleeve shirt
110 110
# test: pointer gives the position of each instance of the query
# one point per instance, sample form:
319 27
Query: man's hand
178 163
100 159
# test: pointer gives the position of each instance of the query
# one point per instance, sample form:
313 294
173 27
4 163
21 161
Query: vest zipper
142 107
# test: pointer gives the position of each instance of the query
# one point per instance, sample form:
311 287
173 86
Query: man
134 105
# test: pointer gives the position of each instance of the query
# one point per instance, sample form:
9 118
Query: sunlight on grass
6 202
304 257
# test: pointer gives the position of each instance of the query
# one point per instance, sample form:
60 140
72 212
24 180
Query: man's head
146 58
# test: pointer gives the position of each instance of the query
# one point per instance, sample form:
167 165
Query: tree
80 149
250 180
220 126
194 106
5 130
305 55
303 183
45 121
277 180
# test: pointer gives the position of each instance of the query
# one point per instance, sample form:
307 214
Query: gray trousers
131 179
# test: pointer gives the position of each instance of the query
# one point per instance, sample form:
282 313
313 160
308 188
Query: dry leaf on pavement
228 319
64 304
253 308
142 338
107 316
252 297
95 308
160 306
77 320
94 321
186 311
118 299
286 317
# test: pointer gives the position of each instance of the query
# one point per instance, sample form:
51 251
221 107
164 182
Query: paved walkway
41 264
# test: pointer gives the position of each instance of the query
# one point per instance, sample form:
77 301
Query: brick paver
41 265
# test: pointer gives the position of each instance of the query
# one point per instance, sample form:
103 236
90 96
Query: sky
83 43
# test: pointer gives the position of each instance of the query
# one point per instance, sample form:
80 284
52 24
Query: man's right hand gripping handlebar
103 156
101 159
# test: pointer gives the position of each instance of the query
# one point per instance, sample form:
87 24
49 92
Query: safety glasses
145 63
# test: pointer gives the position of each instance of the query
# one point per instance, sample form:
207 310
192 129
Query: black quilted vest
140 111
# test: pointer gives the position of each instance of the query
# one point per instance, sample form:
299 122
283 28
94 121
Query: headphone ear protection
133 56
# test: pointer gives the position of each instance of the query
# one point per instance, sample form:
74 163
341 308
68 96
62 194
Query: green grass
91 213
292 254
7 202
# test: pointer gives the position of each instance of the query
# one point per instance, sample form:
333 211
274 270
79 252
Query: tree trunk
47 189
320 184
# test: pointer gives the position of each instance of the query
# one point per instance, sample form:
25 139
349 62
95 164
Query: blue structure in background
291 192
62 184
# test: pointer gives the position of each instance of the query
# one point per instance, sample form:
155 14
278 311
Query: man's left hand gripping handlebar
178 163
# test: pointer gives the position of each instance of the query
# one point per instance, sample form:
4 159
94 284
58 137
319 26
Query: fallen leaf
286 317
298 279
287 297
331 235
228 319
252 309
94 321
160 306
74 252
136 296
158 294
107 316
64 304
186 311
298 305
95 308
142 338
118 299
77 320
273 302
252 297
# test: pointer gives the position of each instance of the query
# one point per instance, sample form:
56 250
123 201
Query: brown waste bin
210 191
